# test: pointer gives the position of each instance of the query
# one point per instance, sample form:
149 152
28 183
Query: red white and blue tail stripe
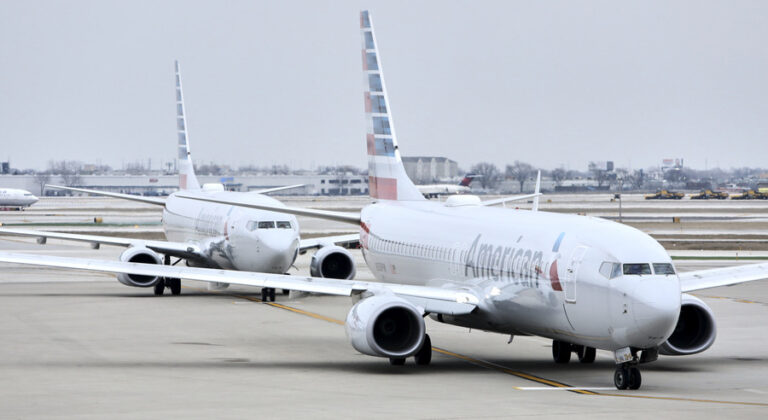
187 178
387 177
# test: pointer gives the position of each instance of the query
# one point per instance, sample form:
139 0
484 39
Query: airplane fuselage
234 237
10 197
537 273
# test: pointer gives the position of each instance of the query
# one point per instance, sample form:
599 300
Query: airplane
584 282
10 197
215 235
435 190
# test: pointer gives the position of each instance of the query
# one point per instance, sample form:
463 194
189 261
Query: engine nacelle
333 262
695 330
385 326
137 254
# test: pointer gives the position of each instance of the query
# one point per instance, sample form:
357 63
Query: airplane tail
386 174
467 180
187 178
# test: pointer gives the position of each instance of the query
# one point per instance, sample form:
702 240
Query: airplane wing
148 200
512 198
346 241
177 249
716 277
449 301
271 190
353 218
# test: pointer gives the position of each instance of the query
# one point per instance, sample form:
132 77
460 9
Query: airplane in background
435 190
10 197
584 282
215 235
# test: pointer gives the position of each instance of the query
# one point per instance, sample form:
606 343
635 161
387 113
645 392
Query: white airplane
10 197
215 235
584 282
435 190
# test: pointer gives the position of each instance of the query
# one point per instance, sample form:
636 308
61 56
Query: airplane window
663 268
266 225
283 225
251 225
610 270
637 269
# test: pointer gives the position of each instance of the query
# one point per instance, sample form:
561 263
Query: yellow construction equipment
708 194
665 195
750 195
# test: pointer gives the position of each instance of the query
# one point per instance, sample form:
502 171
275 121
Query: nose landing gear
627 377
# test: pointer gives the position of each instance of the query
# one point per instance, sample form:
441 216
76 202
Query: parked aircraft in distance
435 190
10 197
215 235
584 282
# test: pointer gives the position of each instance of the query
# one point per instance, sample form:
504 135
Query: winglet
537 191
387 179
187 178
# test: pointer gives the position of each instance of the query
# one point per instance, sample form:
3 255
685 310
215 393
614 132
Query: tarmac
81 345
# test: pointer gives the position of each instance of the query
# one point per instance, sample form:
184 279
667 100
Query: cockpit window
637 269
610 270
663 268
251 225
283 225
266 225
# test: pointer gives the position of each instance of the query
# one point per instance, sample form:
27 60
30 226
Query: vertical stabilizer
537 191
387 177
187 178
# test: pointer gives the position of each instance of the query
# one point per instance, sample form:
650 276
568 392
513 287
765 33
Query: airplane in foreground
436 190
11 197
586 283
215 235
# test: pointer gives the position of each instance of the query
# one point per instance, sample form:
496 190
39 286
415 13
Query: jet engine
137 254
695 330
333 262
385 326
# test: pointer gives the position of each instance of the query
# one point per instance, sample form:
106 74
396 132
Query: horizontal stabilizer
148 200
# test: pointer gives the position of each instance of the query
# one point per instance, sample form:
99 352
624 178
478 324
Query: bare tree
487 173
599 173
69 170
559 175
520 172
41 179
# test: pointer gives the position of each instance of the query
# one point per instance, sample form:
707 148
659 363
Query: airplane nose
656 305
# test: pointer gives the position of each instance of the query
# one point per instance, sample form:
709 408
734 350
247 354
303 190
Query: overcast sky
548 82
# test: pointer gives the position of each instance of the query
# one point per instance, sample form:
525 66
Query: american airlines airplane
10 197
584 282
215 235
435 190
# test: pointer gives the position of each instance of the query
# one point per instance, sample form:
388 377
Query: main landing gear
422 357
267 294
561 352
171 283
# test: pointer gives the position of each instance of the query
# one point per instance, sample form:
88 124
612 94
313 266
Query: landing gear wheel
286 292
271 294
561 351
621 377
175 285
264 294
159 287
635 379
586 354
424 355
396 361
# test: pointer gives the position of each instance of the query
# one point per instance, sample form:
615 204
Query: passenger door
571 273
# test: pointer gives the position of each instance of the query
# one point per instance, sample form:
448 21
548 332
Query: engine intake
385 326
333 262
139 255
695 330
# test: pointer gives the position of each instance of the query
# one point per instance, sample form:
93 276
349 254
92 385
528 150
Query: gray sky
555 82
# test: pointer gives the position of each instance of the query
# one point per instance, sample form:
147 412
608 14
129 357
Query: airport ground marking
551 385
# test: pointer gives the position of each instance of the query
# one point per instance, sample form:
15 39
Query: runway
82 345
